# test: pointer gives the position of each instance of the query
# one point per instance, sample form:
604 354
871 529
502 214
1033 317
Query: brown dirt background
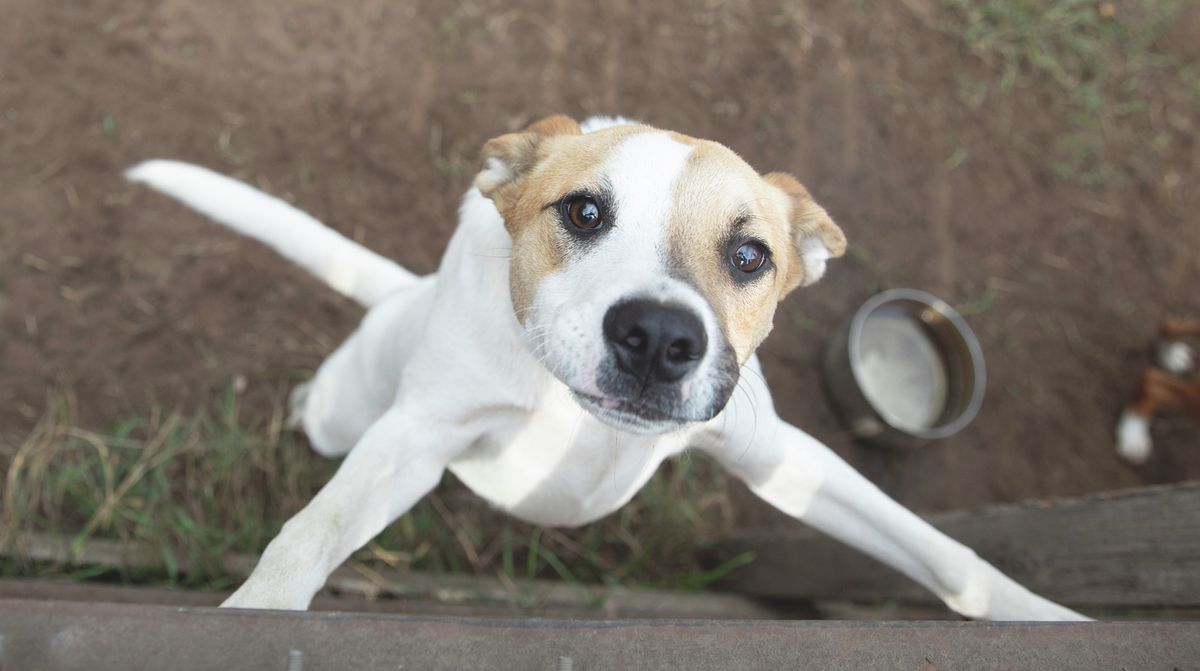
369 114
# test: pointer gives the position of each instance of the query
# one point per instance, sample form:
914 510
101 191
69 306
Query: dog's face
646 265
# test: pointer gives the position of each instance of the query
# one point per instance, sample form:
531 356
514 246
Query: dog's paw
1176 357
1133 438
253 596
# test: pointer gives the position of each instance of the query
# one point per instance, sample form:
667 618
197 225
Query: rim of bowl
961 331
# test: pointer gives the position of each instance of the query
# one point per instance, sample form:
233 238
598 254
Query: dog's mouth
635 416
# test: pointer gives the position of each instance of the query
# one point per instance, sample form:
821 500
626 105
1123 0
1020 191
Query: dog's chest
561 467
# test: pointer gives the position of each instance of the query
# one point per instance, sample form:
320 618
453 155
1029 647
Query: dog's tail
345 265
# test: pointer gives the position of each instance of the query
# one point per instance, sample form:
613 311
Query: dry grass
203 486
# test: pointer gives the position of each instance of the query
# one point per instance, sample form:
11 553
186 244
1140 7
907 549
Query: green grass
201 487
1098 63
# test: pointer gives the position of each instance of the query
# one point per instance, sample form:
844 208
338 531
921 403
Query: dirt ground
369 114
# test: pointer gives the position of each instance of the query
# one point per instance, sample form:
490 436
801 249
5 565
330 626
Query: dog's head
646 265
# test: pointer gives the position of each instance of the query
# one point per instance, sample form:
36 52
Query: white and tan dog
645 269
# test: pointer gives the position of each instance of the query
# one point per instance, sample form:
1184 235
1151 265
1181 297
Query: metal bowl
905 370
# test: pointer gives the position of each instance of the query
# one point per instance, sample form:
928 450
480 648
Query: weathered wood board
1138 547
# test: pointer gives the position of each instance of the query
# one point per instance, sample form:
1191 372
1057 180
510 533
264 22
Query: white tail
343 264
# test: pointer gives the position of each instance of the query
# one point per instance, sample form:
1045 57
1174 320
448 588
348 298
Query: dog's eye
748 257
584 213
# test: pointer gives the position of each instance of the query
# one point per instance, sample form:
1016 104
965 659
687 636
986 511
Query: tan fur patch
544 162
718 193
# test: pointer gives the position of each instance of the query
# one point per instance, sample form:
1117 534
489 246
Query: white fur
814 254
593 124
346 266
1176 357
493 173
441 375
1133 438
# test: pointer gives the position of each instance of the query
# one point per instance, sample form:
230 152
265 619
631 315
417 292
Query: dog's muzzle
651 349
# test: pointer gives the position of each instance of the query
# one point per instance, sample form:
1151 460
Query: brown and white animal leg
1159 389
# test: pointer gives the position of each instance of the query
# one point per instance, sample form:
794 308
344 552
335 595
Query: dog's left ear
508 158
815 238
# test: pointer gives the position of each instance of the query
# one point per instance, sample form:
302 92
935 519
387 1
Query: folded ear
815 238
508 158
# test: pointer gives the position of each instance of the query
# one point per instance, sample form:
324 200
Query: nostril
682 350
635 340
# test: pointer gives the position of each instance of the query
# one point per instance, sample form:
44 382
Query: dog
644 269
1167 386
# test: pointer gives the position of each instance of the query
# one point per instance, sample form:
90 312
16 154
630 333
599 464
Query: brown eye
584 213
748 257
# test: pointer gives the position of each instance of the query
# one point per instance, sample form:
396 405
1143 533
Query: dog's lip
628 412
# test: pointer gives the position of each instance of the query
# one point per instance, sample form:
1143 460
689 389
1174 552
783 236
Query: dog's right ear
508 158
815 238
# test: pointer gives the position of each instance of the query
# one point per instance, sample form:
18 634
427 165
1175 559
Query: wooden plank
68 635
393 590
1131 548
893 611
651 604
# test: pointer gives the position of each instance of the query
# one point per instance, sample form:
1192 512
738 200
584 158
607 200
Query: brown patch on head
523 173
509 158
721 201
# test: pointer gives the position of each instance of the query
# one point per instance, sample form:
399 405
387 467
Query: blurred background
1033 163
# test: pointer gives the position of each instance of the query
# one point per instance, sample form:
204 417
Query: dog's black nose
654 340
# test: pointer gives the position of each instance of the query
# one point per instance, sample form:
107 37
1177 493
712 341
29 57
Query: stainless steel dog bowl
905 370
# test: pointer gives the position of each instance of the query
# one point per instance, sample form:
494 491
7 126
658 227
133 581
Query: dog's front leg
805 479
811 483
396 462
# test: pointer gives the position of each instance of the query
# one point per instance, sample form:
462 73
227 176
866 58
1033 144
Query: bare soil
369 114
